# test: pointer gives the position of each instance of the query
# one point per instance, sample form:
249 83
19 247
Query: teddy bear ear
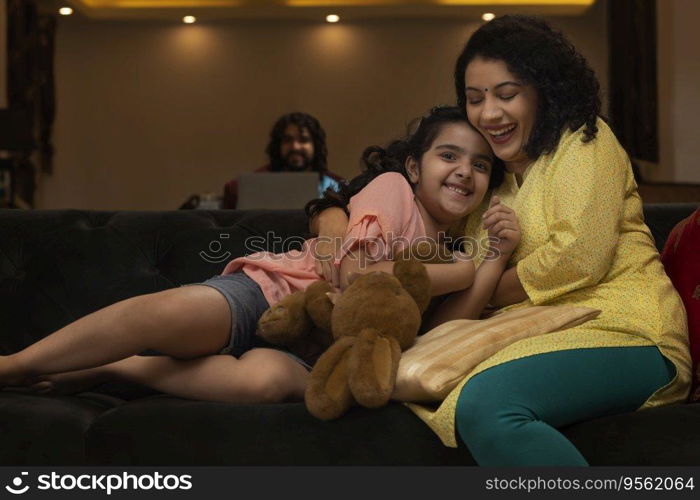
352 277
333 296
414 279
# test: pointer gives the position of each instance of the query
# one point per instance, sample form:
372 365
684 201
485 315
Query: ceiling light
65 11
488 16
332 18
189 19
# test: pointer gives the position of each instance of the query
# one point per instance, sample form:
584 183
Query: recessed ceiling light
65 11
488 16
189 19
332 18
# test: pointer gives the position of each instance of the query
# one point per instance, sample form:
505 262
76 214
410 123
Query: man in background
297 144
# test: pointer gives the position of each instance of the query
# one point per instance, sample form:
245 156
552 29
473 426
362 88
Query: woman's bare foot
70 382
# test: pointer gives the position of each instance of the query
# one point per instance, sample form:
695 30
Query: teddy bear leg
373 365
286 322
328 395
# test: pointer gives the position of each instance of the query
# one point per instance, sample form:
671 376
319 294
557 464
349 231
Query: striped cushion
439 360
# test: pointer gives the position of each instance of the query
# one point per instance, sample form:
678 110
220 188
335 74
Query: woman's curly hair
567 88
378 160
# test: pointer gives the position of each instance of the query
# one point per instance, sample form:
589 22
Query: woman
584 243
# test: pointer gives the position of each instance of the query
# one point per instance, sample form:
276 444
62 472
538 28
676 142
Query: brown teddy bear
373 320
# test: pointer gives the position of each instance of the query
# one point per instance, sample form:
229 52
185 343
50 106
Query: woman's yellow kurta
584 243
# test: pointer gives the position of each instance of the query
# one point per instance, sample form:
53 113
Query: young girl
207 331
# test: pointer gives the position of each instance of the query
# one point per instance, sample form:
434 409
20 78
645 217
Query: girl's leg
183 322
508 414
259 376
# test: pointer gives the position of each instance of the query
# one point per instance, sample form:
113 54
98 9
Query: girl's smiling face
502 108
452 176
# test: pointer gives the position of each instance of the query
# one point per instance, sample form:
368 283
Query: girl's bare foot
69 382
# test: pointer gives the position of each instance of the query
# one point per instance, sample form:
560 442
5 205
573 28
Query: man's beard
304 165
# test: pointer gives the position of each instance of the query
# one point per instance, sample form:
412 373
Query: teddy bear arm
319 306
285 323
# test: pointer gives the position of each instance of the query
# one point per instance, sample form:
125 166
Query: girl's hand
464 262
330 225
455 275
503 228
325 251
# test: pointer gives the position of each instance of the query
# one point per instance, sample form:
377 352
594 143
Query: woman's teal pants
508 415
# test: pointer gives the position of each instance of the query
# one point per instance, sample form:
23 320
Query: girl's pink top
384 218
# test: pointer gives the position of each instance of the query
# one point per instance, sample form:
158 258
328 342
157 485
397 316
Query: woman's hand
503 228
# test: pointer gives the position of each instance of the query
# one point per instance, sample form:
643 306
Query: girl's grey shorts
247 303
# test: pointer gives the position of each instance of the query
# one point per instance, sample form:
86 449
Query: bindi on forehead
500 85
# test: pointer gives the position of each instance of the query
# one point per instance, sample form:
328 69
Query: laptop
276 190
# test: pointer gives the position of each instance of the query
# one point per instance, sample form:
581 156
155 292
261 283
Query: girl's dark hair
303 121
378 160
568 92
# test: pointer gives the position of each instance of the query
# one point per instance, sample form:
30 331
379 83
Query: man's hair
303 121
567 89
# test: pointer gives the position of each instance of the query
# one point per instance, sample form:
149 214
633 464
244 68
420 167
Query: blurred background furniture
16 146
669 192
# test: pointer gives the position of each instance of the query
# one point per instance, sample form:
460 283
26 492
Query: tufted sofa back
59 265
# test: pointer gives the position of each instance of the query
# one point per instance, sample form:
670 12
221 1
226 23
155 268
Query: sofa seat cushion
658 436
164 430
47 430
